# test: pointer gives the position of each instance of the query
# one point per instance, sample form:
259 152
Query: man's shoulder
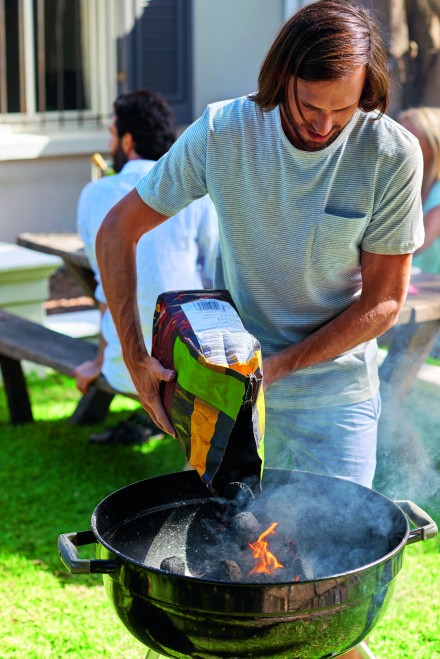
387 134
223 112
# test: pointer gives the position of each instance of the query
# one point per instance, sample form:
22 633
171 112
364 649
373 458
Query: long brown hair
326 40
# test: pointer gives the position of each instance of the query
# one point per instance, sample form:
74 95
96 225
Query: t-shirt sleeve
397 223
179 177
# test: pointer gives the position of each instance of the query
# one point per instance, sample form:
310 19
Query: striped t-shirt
291 225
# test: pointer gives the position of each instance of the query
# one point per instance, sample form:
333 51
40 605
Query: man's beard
119 159
308 145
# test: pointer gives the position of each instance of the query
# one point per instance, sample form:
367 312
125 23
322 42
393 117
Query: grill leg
365 651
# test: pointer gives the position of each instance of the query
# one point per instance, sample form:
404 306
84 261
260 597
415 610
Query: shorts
337 441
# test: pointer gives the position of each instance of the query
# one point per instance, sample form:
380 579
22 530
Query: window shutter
159 53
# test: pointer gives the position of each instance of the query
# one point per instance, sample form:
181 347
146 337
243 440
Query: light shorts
338 441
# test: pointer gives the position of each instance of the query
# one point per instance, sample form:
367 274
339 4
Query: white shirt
173 256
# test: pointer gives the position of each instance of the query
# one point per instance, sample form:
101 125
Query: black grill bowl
353 537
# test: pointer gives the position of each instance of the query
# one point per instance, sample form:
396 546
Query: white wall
40 180
41 194
231 38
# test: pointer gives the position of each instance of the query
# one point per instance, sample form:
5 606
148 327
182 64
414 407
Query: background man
175 256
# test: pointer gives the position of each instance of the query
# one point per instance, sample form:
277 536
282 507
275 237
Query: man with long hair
318 197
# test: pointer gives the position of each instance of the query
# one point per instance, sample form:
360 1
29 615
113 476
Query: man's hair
427 121
326 40
149 119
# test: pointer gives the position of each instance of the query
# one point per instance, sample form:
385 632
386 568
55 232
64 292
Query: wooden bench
22 339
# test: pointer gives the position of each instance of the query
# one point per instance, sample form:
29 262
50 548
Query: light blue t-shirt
292 224
429 260
176 255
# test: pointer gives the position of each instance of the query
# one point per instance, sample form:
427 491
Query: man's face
115 148
326 106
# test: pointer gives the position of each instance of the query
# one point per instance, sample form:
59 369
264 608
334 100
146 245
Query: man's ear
127 143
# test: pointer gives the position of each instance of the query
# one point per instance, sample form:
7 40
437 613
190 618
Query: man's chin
312 145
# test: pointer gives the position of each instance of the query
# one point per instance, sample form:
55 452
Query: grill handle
426 528
68 544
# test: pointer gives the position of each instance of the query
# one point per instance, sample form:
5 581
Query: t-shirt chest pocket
337 241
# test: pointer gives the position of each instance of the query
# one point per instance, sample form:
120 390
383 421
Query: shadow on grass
53 479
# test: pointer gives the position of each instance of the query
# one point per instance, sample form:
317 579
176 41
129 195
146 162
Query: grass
51 481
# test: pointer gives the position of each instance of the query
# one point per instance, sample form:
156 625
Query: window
45 58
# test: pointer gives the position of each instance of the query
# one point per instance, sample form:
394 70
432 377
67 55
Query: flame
266 562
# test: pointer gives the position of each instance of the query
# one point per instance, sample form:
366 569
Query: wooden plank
59 244
23 339
70 247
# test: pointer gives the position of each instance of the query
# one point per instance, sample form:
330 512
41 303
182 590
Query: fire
266 562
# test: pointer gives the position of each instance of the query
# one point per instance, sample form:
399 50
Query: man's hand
85 374
147 378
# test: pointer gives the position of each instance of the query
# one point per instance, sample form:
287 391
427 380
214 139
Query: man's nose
322 123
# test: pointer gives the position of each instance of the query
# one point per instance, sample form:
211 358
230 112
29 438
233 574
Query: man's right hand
147 377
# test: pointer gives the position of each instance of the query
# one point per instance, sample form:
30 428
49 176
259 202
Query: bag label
219 330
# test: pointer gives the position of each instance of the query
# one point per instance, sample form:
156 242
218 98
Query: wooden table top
67 245
424 305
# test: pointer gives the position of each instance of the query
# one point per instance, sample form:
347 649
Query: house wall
41 176
40 190
231 38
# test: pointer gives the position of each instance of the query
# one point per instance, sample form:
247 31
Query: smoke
408 455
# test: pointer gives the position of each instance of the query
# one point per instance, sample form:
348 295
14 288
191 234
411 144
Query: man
318 198
174 256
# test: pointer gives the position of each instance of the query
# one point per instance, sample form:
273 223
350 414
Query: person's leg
338 441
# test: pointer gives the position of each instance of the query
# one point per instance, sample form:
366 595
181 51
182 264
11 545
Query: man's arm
385 280
116 244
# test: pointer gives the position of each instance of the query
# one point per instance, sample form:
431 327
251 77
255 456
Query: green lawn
51 481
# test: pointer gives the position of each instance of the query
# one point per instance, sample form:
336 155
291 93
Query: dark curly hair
326 40
149 119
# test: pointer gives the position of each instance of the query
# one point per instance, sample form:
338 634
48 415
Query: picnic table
70 247
411 340
408 343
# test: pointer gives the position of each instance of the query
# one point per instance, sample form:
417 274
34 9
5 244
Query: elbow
390 314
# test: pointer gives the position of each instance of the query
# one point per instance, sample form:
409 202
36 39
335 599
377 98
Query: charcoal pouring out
214 543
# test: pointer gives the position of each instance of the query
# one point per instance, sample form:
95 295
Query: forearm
116 254
384 289
357 324
102 342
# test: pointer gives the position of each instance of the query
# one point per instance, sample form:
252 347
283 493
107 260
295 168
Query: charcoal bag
216 402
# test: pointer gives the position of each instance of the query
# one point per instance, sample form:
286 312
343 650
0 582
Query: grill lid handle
68 544
427 527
